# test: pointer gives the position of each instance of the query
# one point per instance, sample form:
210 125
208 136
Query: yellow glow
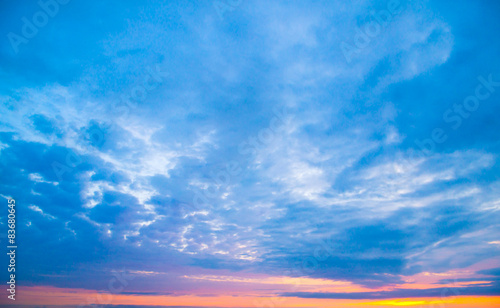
60 296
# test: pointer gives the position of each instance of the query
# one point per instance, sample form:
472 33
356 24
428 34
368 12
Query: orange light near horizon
60 296
458 301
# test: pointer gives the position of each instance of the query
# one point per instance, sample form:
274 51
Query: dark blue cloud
404 293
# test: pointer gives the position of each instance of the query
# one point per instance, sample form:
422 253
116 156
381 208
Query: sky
241 153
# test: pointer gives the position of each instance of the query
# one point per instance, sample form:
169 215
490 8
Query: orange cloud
43 295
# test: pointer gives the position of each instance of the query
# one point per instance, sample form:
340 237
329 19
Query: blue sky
176 139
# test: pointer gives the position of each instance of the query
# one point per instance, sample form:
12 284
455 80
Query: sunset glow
250 154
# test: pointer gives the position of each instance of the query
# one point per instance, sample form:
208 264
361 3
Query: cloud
403 293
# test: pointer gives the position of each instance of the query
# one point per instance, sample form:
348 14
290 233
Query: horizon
235 153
